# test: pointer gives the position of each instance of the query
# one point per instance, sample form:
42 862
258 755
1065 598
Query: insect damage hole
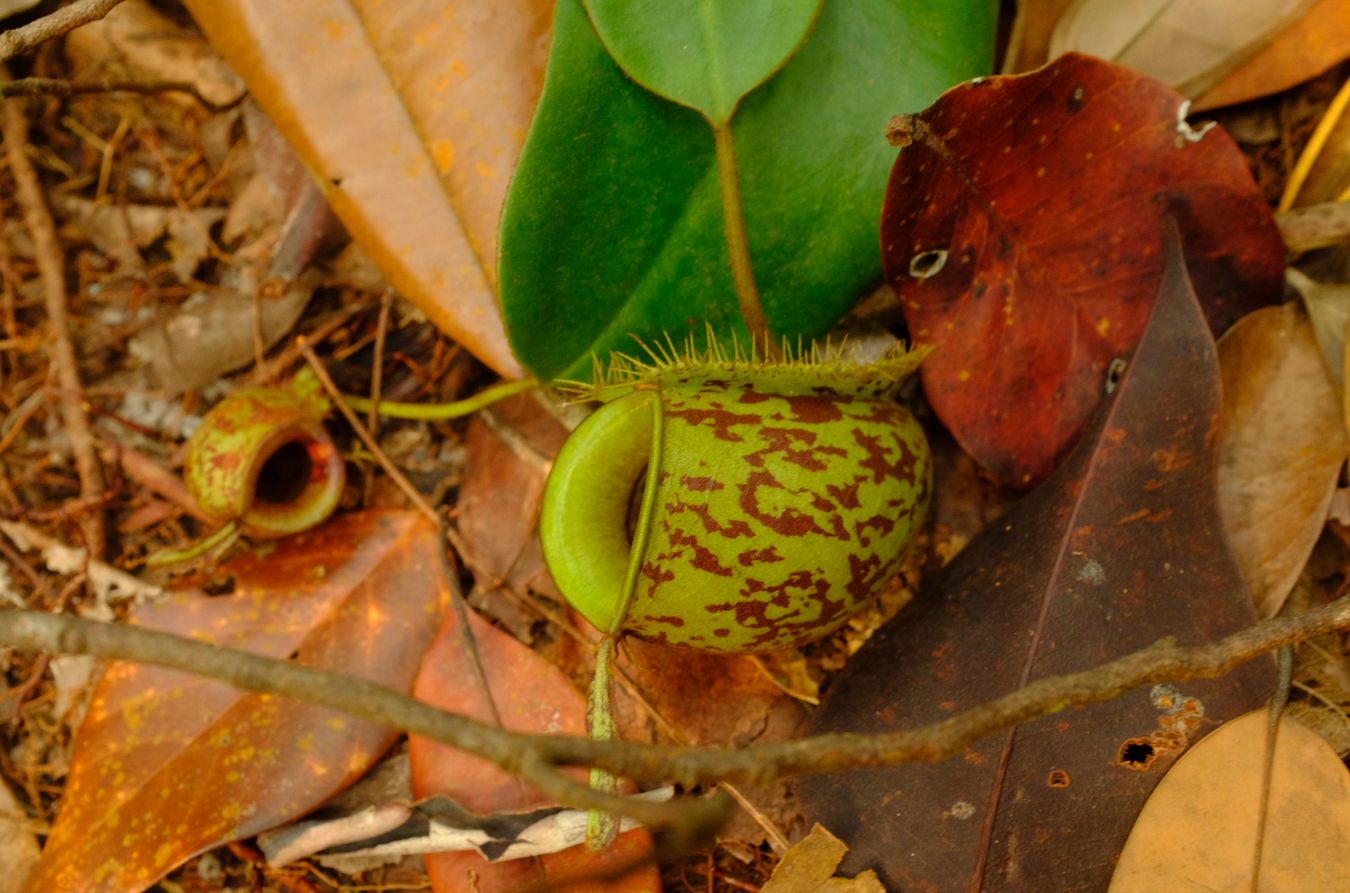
927 263
1136 754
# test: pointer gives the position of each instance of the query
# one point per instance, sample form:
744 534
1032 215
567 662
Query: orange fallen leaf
1199 829
167 765
411 115
476 669
1312 45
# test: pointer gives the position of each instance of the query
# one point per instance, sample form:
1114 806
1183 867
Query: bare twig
535 757
52 270
67 18
56 87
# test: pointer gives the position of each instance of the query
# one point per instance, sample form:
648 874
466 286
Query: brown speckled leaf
167 765
411 114
1120 547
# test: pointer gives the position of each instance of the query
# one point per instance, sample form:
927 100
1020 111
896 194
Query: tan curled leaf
1187 44
412 115
1328 306
1199 829
810 865
1281 449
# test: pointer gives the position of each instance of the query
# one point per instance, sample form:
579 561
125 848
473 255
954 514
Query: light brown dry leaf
1029 42
19 850
1187 44
448 89
810 865
1199 829
1282 447
1310 46
138 41
213 333
119 230
1328 306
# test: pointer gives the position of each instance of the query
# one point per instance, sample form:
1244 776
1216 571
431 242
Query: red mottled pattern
777 515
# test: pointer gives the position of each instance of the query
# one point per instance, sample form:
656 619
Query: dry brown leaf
19 851
119 231
1317 41
1199 829
1187 44
136 40
1328 306
448 89
1029 43
1281 451
810 865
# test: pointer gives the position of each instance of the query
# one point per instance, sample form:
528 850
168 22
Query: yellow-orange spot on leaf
484 171
442 83
337 723
458 67
163 853
963 375
1103 326
334 29
443 154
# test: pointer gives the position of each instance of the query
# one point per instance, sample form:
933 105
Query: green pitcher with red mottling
784 497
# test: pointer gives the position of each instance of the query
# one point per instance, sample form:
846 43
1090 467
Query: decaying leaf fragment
810 865
1200 828
1282 448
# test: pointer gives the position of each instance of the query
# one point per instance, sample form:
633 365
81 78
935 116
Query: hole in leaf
927 263
285 474
1058 778
1136 753
1114 373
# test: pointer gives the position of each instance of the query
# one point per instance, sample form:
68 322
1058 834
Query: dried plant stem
67 18
55 87
52 270
365 436
536 757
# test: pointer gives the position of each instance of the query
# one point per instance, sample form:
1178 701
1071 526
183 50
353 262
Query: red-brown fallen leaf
1022 229
477 670
167 765
1121 546
411 114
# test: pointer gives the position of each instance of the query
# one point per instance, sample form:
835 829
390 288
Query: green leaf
705 54
613 225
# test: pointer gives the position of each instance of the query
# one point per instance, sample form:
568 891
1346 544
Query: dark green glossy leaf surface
613 224
705 54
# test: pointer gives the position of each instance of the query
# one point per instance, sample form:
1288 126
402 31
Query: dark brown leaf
1121 547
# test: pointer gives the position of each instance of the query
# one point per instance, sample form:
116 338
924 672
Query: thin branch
535 756
55 87
52 271
67 18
